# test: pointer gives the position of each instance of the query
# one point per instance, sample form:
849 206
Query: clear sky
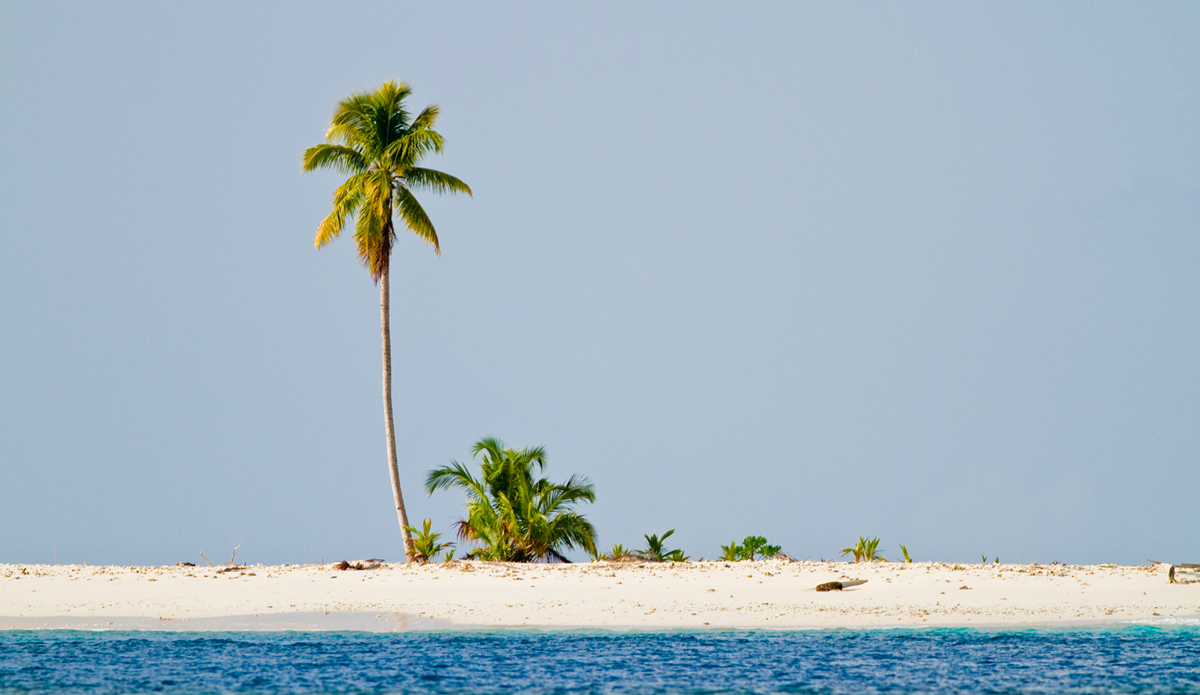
926 271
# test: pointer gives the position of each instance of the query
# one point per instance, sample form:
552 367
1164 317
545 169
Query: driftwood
231 567
373 563
1172 568
838 586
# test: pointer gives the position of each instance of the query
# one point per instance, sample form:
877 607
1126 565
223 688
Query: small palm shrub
513 516
865 551
425 542
656 551
905 551
752 547
618 552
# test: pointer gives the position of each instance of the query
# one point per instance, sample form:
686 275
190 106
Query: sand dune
765 594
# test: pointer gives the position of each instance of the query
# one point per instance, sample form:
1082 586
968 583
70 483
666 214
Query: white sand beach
763 594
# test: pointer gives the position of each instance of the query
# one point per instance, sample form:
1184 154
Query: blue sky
807 271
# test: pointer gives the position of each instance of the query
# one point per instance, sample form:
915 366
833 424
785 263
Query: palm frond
391 117
371 235
415 218
491 445
435 181
346 201
347 160
352 124
453 475
419 143
427 118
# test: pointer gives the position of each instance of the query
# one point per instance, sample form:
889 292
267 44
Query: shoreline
349 621
712 595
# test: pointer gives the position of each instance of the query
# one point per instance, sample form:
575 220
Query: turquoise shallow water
1124 660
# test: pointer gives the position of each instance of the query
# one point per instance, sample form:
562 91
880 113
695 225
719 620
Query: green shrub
511 514
751 547
657 552
425 542
618 552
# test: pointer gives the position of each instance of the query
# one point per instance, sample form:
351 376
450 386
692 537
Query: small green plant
449 556
865 551
656 551
757 545
618 552
751 547
905 551
425 543
994 560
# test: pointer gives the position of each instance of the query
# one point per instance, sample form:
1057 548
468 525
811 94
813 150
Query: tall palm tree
374 139
513 517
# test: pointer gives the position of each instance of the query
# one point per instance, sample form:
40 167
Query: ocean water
1136 659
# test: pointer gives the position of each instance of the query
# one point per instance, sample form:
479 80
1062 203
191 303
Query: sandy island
764 594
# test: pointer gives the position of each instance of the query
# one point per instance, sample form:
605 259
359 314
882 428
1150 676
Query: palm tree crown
374 139
514 517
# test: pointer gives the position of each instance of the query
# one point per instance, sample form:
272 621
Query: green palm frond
353 124
346 160
439 182
490 446
416 219
426 118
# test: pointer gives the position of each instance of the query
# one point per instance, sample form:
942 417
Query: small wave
1190 620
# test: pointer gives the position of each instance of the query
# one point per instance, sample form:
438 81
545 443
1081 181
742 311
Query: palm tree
374 140
513 517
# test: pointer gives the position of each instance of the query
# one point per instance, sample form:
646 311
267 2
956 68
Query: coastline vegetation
512 516
656 551
750 547
426 543
866 550
618 553
374 138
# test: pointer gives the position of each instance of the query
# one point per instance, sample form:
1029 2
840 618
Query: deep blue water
1125 660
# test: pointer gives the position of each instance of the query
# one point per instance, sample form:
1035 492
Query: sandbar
769 594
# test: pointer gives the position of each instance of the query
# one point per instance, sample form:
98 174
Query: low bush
751 548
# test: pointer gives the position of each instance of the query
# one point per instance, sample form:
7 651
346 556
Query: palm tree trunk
389 424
